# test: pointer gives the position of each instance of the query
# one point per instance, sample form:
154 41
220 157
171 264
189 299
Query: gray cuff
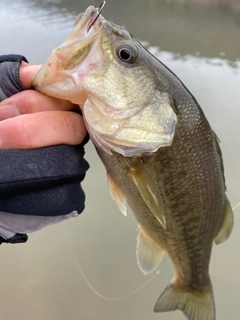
11 224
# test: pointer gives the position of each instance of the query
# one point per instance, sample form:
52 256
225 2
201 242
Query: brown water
200 42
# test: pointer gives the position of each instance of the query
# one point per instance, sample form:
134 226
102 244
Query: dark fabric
17 238
9 75
38 183
43 181
36 169
12 57
55 201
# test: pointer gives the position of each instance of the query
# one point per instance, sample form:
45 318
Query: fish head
112 77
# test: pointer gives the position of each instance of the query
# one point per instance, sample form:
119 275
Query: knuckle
74 128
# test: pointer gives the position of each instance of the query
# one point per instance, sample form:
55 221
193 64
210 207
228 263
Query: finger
27 73
31 101
42 129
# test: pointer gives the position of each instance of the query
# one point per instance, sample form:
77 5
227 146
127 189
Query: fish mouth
87 23
71 54
99 10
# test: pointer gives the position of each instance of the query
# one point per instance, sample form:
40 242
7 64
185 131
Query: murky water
200 41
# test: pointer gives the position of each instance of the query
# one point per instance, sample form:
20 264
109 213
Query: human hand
39 186
30 119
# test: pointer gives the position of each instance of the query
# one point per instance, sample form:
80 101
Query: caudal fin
196 305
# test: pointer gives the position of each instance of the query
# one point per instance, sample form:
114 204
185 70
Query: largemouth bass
160 153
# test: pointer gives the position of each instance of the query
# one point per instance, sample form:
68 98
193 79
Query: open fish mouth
71 55
87 24
99 10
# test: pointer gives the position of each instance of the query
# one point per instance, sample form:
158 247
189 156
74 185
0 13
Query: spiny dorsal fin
117 195
148 191
227 224
149 255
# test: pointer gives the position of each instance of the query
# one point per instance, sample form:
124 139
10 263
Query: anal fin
149 255
117 195
227 224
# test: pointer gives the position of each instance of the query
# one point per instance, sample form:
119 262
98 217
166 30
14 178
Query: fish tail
195 304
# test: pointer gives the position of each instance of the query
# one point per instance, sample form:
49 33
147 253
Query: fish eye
127 53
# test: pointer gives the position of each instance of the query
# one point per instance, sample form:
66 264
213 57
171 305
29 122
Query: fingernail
8 111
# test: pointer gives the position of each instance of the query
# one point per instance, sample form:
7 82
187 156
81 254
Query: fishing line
119 298
236 206
99 294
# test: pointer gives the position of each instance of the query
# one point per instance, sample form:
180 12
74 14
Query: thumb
27 73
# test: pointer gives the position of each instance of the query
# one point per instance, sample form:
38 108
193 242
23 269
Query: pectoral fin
149 255
117 195
227 224
148 191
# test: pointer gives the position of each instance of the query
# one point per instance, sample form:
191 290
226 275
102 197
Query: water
200 42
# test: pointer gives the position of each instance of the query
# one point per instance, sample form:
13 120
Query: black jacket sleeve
38 187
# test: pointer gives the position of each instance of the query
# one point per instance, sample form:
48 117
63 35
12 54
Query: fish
161 155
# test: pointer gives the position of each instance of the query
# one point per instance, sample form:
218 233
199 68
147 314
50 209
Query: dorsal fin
149 255
148 191
117 195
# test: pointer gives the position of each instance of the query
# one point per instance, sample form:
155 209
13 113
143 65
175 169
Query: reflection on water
199 41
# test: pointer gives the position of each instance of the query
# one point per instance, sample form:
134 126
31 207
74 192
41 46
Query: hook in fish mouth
99 9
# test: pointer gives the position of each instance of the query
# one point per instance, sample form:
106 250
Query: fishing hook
99 9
